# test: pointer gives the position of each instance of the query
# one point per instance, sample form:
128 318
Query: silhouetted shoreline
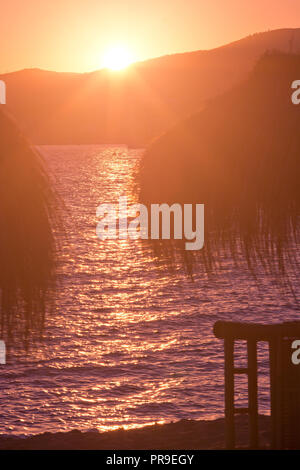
183 434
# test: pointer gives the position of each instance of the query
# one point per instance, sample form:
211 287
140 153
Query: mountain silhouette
135 105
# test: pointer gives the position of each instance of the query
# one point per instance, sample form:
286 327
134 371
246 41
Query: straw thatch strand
27 247
240 156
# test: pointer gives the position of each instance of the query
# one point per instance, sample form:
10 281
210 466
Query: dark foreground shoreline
184 434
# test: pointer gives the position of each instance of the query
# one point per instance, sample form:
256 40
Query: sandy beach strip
183 434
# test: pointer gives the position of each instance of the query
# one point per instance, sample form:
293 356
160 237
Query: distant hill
138 104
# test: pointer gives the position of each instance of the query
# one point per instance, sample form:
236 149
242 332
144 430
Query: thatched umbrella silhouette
27 246
240 156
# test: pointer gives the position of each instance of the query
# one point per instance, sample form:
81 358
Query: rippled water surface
129 344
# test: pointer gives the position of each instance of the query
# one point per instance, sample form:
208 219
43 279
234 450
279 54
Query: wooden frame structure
279 338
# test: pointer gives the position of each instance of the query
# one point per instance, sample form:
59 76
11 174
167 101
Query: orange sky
72 35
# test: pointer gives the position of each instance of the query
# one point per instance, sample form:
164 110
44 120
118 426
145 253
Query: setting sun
117 58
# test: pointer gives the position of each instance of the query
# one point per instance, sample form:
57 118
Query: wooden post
229 393
279 388
273 393
252 393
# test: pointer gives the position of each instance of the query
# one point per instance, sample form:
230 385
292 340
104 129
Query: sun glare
117 58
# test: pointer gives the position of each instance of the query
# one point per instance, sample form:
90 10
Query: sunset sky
74 35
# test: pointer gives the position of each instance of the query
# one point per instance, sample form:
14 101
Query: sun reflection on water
129 344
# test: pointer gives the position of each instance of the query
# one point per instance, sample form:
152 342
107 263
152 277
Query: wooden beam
229 393
252 393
